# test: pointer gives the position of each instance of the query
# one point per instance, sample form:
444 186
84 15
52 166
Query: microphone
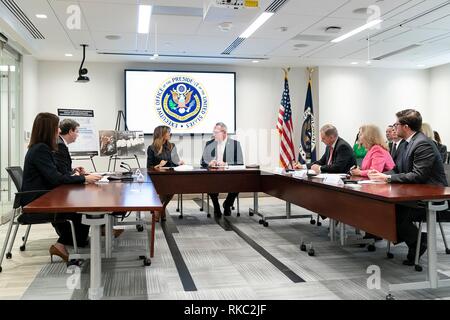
126 164
128 169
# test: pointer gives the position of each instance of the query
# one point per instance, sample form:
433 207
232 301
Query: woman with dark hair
441 147
40 173
162 153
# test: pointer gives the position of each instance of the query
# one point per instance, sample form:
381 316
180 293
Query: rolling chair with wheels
17 218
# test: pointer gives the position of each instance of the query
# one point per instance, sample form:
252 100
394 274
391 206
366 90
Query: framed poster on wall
87 142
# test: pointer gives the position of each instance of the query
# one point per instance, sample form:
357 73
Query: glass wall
10 88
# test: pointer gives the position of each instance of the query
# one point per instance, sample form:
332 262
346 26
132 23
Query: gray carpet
223 266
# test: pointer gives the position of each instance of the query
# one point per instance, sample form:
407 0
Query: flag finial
286 71
310 72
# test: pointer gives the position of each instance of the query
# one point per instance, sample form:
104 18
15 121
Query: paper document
104 179
184 167
235 168
328 175
370 182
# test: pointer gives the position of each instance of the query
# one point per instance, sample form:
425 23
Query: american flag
285 128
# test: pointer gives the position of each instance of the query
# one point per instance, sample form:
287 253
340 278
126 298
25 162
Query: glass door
9 123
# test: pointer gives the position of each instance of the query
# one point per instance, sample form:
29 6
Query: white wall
258 94
440 101
30 97
350 97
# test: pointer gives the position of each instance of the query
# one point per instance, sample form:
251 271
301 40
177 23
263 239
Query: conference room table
364 205
96 202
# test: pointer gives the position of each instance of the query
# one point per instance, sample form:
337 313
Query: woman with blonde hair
162 153
377 157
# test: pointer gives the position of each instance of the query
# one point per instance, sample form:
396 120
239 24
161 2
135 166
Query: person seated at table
69 130
378 156
41 173
162 153
441 147
222 151
420 163
338 157
359 150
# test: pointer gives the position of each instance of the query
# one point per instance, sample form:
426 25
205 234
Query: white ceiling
194 39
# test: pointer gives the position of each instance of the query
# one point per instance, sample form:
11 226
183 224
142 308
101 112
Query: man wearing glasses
220 152
420 162
68 133
397 146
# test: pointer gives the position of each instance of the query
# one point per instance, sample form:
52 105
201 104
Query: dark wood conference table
369 207
95 202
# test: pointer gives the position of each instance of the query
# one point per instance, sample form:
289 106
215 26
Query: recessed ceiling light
112 37
368 62
333 29
421 65
225 26
41 16
366 11
69 55
355 63
4 68
255 61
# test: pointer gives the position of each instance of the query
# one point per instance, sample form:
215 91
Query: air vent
276 5
233 46
273 7
12 6
393 53
178 56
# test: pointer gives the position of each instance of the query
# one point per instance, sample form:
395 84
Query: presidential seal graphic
181 102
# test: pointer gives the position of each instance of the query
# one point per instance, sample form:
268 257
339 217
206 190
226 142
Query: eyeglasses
397 124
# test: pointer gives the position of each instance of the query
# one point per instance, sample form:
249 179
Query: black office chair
441 217
17 218
448 157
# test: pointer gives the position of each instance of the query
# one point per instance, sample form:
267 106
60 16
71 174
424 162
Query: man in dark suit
338 157
397 146
220 152
68 134
421 163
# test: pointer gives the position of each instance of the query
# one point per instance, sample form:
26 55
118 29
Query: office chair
441 217
17 218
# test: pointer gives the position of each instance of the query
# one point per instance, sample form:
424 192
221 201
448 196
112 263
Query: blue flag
307 152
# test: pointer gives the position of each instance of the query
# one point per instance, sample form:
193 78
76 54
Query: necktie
404 158
394 149
331 156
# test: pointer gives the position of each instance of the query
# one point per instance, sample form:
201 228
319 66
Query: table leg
95 221
152 241
288 210
108 236
332 230
431 248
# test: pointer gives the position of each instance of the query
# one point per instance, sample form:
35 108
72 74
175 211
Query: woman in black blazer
162 153
40 173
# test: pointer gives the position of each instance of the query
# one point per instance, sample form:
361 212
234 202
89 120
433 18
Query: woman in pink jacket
377 156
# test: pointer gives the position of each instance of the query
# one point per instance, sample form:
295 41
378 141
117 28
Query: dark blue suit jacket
40 172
